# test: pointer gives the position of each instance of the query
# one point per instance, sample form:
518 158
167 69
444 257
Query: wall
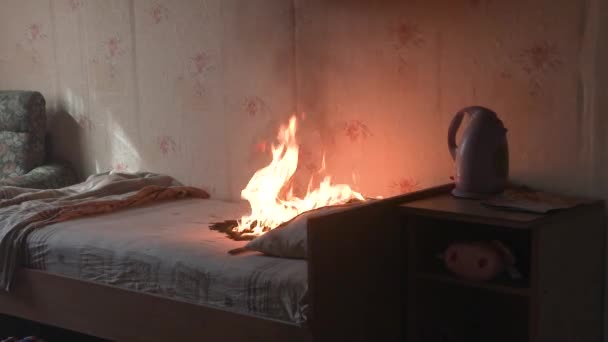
197 89
179 87
382 80
599 105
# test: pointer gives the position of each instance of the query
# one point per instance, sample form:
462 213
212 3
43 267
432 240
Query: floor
20 329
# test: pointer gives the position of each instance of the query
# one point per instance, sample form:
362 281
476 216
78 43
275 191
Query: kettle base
472 195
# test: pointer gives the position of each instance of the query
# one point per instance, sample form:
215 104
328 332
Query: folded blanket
23 210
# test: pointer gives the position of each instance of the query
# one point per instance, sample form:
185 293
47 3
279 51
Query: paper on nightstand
526 199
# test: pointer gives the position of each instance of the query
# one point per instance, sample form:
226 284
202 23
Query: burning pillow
273 202
289 240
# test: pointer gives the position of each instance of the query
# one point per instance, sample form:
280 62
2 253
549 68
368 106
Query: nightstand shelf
560 257
512 288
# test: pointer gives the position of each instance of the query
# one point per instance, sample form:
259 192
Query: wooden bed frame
355 263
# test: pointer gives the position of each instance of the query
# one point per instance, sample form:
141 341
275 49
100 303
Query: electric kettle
482 158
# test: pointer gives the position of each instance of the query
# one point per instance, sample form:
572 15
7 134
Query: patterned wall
179 87
381 81
197 89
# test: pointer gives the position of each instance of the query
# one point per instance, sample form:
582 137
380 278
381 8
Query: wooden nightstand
560 255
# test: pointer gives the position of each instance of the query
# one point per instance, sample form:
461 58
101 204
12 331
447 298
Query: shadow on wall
69 140
91 146
67 147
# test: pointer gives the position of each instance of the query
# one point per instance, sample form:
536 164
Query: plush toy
479 261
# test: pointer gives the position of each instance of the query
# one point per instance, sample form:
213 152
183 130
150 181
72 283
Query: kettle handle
454 125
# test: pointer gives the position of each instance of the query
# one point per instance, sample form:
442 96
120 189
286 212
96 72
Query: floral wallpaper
383 82
166 86
198 88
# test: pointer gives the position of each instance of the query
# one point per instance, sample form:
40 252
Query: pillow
289 240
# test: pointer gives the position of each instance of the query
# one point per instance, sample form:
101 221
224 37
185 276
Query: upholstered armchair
22 144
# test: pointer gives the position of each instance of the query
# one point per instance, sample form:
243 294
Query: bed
167 249
157 272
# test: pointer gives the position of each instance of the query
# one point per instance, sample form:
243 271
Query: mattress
167 249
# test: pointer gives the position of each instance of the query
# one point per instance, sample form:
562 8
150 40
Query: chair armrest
52 176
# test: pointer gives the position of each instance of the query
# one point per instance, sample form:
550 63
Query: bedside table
560 255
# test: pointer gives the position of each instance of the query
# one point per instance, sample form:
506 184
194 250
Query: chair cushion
22 132
19 153
52 176
22 111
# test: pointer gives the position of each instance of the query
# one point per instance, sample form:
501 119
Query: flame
270 204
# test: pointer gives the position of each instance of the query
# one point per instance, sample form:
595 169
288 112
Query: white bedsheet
168 249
